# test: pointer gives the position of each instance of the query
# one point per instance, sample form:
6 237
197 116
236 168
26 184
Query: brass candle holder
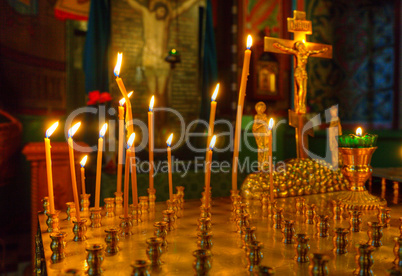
310 214
364 260
355 220
205 240
300 205
318 265
140 268
180 195
169 219
205 212
278 218
96 217
243 222
384 216
126 226
154 251
57 246
203 262
161 231
233 193
398 252
152 198
288 232
241 209
71 271
356 168
45 204
171 207
95 259
272 207
255 255
302 248
118 203
143 203
84 202
80 230
112 241
109 207
52 221
249 236
337 209
341 241
263 270
323 226
136 214
176 206
236 201
70 211
375 233
264 204
204 225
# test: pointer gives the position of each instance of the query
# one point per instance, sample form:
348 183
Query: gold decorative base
152 198
361 200
96 218
118 203
79 230
53 222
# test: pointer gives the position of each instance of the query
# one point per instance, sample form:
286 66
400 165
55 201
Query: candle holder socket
176 206
136 214
243 222
112 241
384 216
154 251
161 231
302 248
180 196
118 203
375 233
355 220
278 218
323 226
45 204
80 230
126 226
71 211
204 240
341 241
242 209
318 265
109 207
152 198
84 202
95 259
205 212
398 252
249 236
169 219
337 209
203 262
204 225
364 260
288 232
264 204
255 255
300 205
310 214
141 268
171 206
272 207
96 217
263 270
233 193
57 246
52 221
143 203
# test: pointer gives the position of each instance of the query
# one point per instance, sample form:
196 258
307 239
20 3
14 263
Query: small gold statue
261 134
300 75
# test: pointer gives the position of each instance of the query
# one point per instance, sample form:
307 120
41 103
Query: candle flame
271 124
212 144
51 129
215 93
103 131
359 131
304 41
249 41
118 64
84 161
131 140
151 104
123 100
169 140
74 129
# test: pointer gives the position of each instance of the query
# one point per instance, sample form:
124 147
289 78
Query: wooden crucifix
301 50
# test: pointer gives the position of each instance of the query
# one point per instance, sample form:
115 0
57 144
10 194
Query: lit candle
134 188
121 138
99 165
127 174
357 140
169 154
271 178
242 94
49 167
82 163
71 133
119 81
359 131
208 170
151 142
212 114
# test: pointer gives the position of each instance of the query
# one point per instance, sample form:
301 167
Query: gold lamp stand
356 168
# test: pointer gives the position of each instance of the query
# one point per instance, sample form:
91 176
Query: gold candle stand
204 225
154 251
384 216
161 231
80 230
144 204
255 255
318 265
302 248
180 195
140 268
375 233
45 204
52 221
96 217
364 260
203 262
70 211
205 240
95 259
356 168
112 241
118 200
169 219
109 207
355 221
126 226
57 246
341 241
84 202
152 198
136 214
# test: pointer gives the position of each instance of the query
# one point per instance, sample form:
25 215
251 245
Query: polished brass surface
288 232
84 202
126 226
109 207
364 260
318 265
112 241
384 216
95 259
255 255
52 221
341 240
375 233
323 226
140 268
70 210
355 220
203 262
161 231
118 203
80 230
228 256
57 246
337 209
310 214
302 248
357 169
151 198
45 204
154 251
96 217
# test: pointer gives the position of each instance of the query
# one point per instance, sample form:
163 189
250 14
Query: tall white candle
49 167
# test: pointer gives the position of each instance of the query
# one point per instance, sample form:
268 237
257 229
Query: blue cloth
96 57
